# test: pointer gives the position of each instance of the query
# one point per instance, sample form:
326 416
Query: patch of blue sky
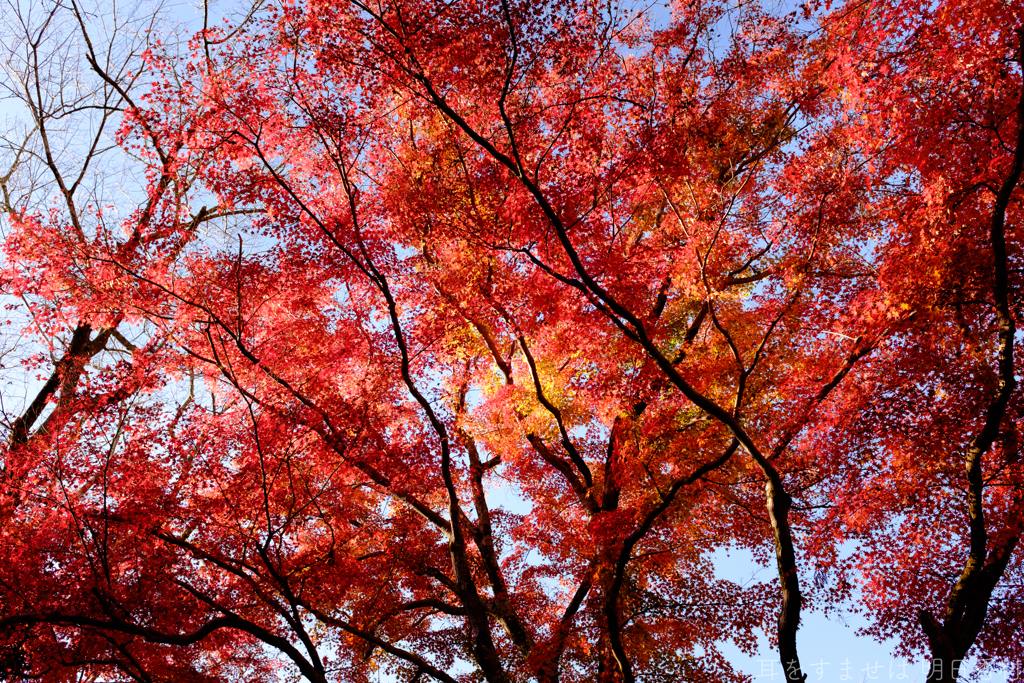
831 648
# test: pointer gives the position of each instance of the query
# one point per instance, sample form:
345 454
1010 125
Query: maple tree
452 339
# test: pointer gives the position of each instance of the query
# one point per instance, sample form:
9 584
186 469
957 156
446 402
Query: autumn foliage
451 339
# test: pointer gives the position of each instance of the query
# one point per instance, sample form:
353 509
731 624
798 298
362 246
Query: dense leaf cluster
450 339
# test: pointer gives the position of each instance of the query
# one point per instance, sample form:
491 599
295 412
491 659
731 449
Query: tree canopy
450 339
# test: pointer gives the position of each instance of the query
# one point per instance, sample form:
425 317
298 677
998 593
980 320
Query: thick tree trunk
779 503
